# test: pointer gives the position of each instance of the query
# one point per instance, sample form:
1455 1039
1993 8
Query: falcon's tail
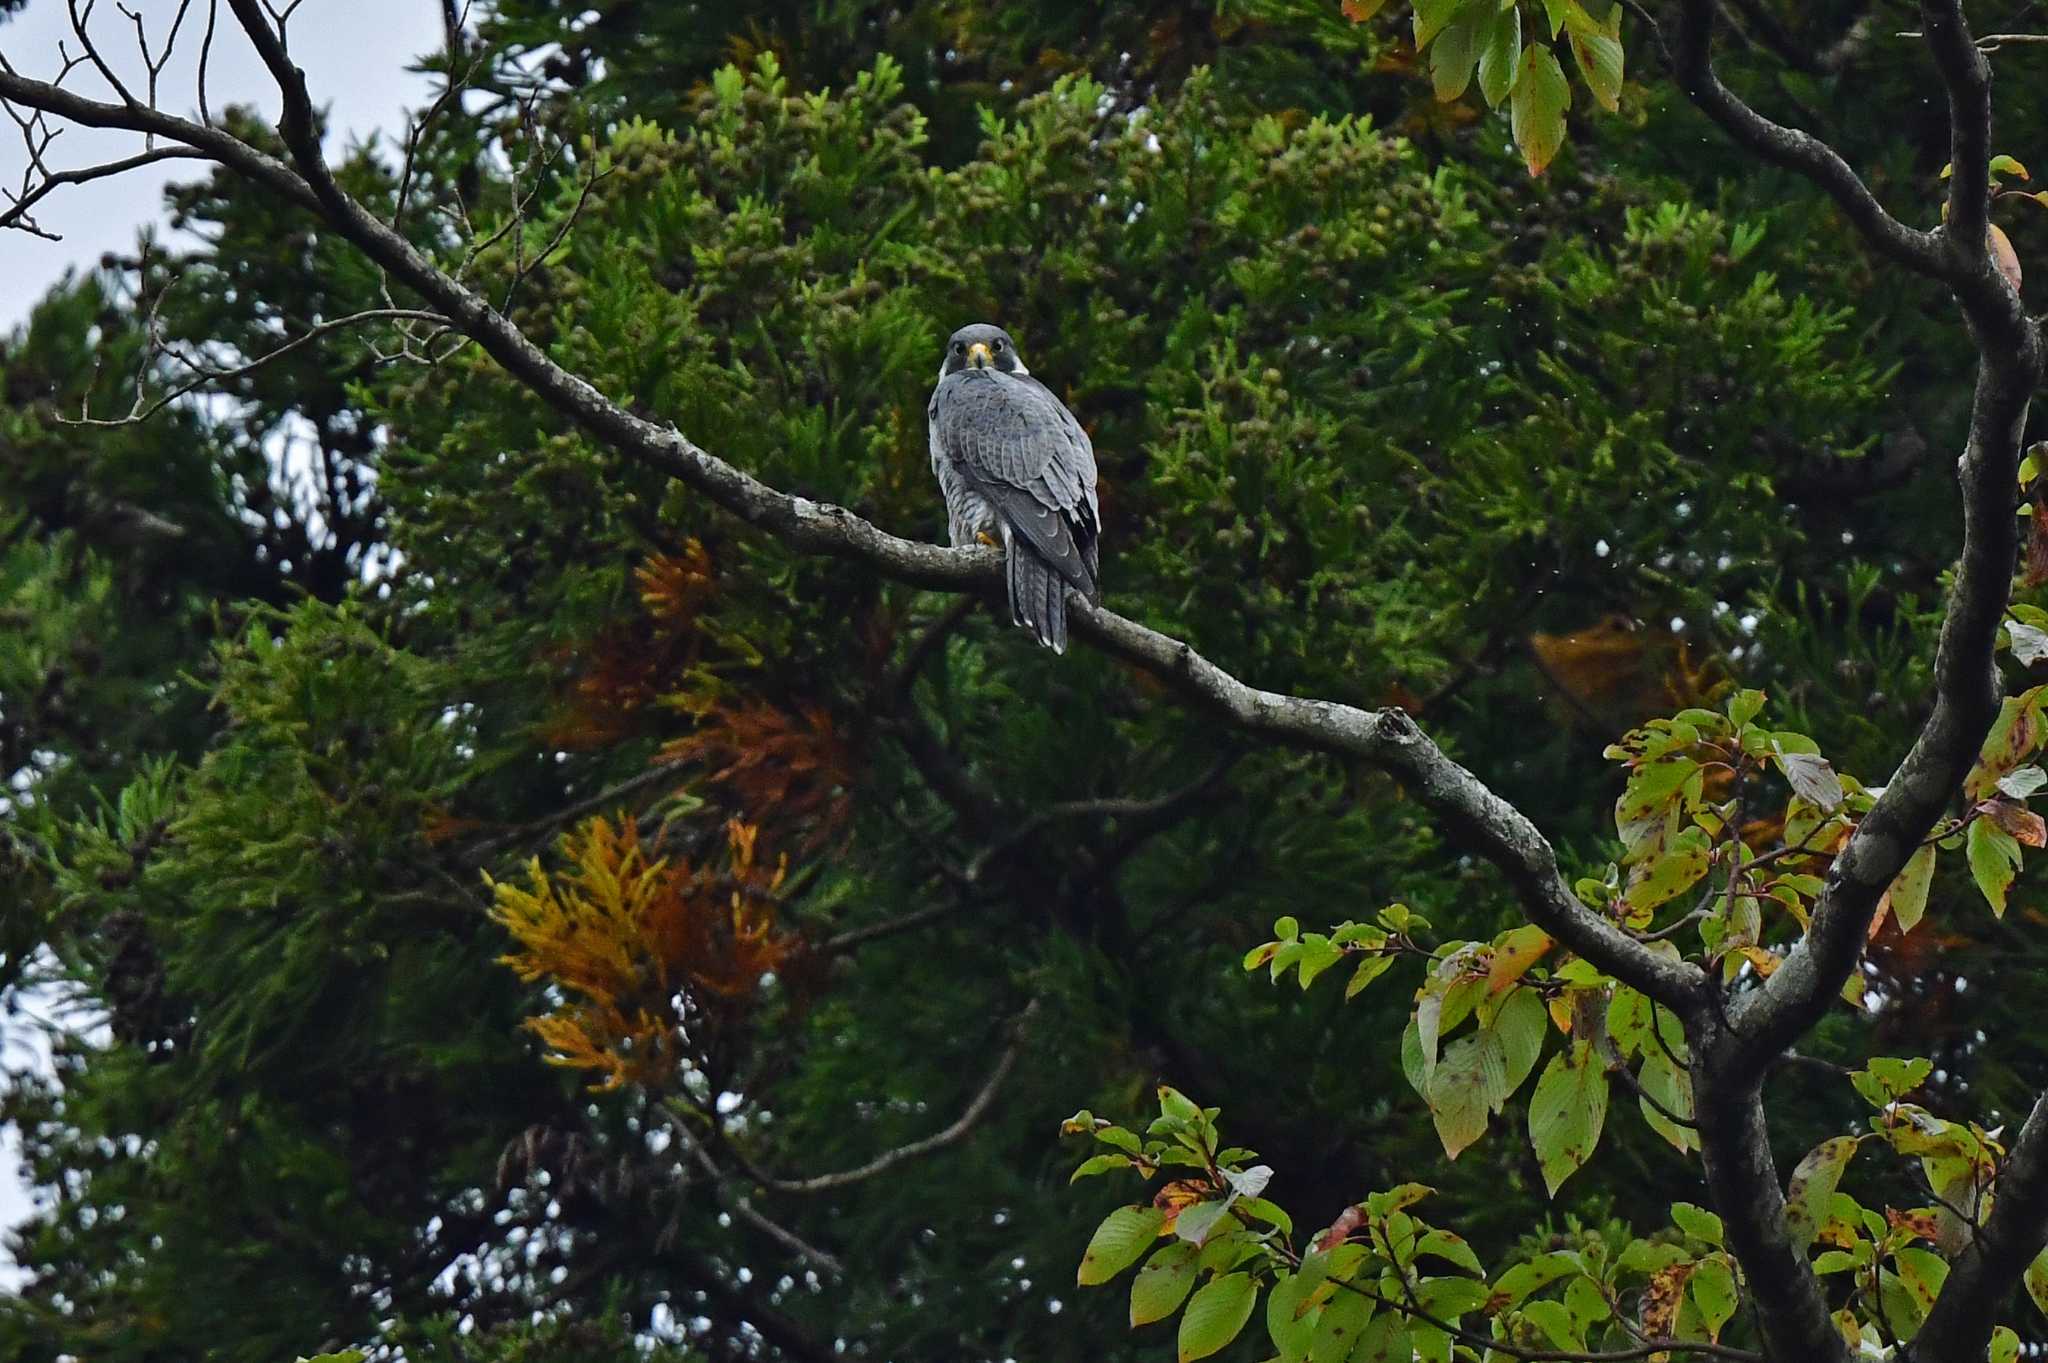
1038 594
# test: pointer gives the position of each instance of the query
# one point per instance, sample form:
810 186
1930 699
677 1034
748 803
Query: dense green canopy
309 692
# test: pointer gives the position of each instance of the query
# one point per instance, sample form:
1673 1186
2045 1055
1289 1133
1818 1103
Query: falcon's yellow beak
978 356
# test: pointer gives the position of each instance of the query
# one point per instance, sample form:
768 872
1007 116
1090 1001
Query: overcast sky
355 54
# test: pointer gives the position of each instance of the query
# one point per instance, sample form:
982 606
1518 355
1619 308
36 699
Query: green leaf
1994 856
1446 1245
1344 1319
1268 1212
1598 53
1384 1340
1628 1020
1909 891
1557 11
1447 1298
2007 165
1745 706
1369 969
1555 1320
1318 954
1286 928
2014 737
1100 1164
1117 1243
1462 1089
1432 17
1195 1224
1671 872
1521 1026
2036 1279
1652 786
1537 110
1887 1079
2005 1345
1500 54
1697 1222
1162 1284
1290 1320
1812 1187
1518 1282
1216 1314
1567 1112
1921 1272
1669 1085
1456 50
1713 1291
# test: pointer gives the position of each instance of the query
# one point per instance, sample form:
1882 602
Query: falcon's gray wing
1016 446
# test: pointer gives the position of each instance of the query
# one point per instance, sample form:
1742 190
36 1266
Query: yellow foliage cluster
637 945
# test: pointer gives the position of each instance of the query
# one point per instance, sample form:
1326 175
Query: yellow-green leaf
1567 1112
1538 108
1812 1187
1500 54
1216 1314
1994 856
1909 891
1117 1243
1597 49
1432 17
1456 50
1163 1283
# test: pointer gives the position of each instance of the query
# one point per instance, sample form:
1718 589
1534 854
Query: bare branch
1791 148
1167 804
17 216
1966 75
738 1204
89 51
609 797
977 1108
204 375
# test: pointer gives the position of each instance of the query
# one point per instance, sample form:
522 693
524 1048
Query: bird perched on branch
1016 469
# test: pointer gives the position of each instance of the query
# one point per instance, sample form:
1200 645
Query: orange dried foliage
792 762
1616 675
439 825
632 943
621 672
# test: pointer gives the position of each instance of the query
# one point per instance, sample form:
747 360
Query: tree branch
977 1108
1386 738
1731 1057
1981 1277
1791 148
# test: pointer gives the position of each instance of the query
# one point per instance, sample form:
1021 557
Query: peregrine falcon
1014 463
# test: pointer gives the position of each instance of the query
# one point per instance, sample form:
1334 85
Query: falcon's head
982 346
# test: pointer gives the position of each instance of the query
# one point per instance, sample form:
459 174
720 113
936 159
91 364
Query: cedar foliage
1379 419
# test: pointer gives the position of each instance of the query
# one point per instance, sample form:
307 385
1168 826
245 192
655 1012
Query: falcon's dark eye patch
999 347
959 347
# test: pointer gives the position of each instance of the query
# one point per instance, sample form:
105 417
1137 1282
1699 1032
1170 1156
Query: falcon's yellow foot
990 540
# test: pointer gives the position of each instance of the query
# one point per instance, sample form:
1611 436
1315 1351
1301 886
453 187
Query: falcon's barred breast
1015 465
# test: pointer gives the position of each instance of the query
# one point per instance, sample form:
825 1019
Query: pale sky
354 53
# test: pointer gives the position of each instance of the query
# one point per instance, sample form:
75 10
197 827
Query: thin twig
977 1108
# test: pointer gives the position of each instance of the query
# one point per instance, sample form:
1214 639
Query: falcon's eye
959 347
999 347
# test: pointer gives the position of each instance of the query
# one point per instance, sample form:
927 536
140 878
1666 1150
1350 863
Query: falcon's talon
1010 458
